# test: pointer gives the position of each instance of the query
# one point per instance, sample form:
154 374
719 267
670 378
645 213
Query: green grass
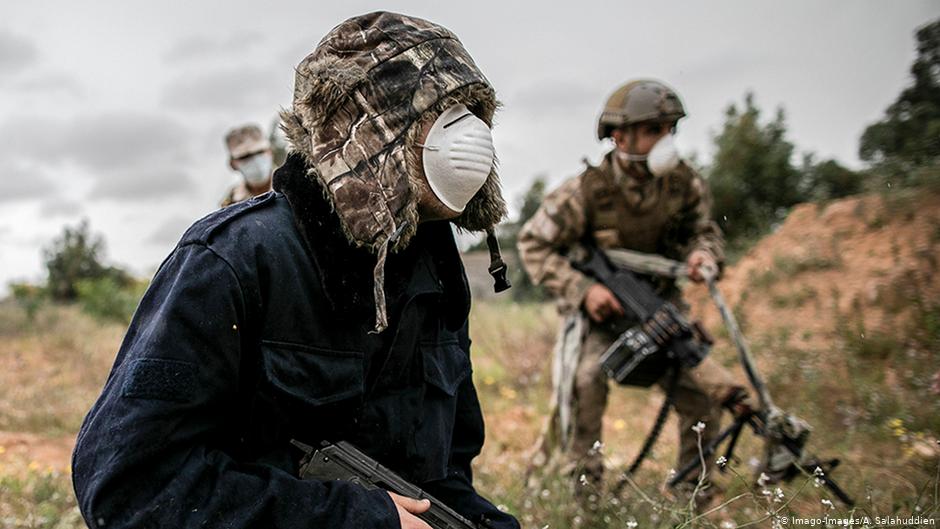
794 299
37 499
790 266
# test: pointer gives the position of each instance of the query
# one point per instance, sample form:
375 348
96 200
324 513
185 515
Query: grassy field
883 428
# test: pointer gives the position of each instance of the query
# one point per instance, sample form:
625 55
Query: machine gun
342 461
786 435
641 354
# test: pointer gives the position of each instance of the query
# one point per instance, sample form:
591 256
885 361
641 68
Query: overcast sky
115 111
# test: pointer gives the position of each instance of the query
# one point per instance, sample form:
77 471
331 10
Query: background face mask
256 169
663 157
458 156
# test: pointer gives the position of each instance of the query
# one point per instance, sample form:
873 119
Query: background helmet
636 101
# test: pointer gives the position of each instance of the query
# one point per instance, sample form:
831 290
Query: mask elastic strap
497 266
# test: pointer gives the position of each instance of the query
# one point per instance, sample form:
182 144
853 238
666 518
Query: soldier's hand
408 508
600 303
701 262
740 402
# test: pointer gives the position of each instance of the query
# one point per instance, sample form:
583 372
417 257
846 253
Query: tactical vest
649 223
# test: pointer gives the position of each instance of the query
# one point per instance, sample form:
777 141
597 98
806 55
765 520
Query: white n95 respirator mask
458 156
663 157
257 169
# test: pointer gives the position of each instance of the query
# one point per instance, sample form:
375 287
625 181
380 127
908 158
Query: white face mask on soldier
663 157
257 169
458 156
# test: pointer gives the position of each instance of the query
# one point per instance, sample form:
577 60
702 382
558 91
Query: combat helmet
636 101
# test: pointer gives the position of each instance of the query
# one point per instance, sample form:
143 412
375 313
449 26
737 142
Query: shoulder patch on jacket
158 379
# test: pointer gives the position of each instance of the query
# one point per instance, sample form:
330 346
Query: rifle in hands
342 461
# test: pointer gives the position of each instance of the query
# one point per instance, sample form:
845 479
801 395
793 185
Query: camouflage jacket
613 208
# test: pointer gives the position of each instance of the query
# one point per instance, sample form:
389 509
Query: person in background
641 197
249 153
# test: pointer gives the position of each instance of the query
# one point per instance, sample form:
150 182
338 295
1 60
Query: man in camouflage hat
249 153
641 197
334 309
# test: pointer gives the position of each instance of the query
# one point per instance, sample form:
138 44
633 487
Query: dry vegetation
841 306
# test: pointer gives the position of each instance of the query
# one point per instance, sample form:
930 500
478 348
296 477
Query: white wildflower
699 427
818 472
632 524
778 495
722 461
763 479
597 446
828 503
583 480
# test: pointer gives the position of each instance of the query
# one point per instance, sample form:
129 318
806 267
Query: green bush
107 298
29 297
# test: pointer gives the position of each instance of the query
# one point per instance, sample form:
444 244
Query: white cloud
16 54
170 231
61 207
129 156
231 91
21 184
200 47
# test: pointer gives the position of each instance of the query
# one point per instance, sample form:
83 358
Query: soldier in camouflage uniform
640 197
249 153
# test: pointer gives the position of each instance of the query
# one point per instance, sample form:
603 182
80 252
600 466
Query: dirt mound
862 265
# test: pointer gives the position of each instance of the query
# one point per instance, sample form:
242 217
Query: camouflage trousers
697 398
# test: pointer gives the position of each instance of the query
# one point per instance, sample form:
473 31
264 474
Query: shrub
106 298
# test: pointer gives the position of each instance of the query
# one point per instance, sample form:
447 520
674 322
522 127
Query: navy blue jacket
254 332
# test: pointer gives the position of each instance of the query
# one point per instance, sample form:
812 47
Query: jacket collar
430 263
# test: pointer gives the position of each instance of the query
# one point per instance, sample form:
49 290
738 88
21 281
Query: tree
829 179
76 256
531 200
752 179
523 289
909 134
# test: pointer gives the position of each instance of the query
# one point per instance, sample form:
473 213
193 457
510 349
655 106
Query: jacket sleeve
151 452
456 490
559 223
696 226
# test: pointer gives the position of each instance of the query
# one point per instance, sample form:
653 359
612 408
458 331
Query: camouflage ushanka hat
356 98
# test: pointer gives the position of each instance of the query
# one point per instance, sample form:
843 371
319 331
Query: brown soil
857 262
25 449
